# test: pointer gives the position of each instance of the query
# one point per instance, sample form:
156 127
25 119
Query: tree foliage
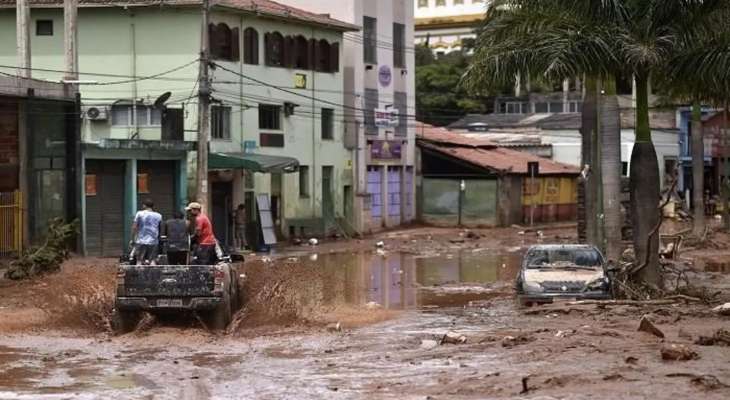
47 257
440 97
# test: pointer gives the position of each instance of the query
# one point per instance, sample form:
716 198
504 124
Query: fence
11 223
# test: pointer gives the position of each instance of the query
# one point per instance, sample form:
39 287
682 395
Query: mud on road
394 307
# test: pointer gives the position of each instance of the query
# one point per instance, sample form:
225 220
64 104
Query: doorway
328 206
222 208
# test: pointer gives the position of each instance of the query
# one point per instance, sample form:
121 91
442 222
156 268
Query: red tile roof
484 154
266 8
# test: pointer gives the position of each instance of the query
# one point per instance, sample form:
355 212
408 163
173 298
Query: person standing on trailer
146 234
178 240
205 253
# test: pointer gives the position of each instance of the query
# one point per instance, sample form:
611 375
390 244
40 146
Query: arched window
274 49
250 46
323 56
301 52
223 42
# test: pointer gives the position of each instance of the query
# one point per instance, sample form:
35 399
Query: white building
444 24
379 74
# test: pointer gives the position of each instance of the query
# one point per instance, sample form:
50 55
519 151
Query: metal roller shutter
105 208
160 186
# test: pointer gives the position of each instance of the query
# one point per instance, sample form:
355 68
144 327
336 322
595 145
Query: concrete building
561 132
472 181
379 67
38 159
444 24
276 88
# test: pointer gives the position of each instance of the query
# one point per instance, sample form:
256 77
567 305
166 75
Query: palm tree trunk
644 186
589 124
698 171
725 186
611 169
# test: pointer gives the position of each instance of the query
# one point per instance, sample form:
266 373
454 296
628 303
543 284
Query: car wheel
220 317
125 321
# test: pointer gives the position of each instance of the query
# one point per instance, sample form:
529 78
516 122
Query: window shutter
334 57
235 45
213 41
312 54
289 51
267 48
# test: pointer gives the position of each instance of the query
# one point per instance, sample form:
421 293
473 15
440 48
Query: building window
251 46
541 108
146 115
370 40
440 3
458 2
576 106
323 56
301 53
271 140
220 122
44 27
371 103
422 3
303 181
223 42
556 107
399 45
328 123
274 44
270 117
401 104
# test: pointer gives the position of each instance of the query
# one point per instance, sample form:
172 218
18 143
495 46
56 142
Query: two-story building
277 93
380 100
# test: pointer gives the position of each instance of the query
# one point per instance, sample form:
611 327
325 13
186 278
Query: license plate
169 303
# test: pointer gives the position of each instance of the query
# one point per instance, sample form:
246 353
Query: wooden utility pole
203 115
70 36
22 14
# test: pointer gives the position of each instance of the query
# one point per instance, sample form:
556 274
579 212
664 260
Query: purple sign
384 75
385 150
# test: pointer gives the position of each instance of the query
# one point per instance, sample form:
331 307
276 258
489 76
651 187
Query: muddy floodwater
394 309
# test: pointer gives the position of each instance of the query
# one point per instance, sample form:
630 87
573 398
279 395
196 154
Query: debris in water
631 360
428 344
645 325
723 309
512 341
678 352
334 327
313 257
525 388
371 305
720 338
453 338
313 242
380 244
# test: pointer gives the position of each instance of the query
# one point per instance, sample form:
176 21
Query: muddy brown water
468 291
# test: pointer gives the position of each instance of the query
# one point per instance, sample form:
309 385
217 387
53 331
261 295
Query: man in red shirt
205 252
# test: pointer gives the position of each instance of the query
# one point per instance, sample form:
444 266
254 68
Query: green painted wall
440 199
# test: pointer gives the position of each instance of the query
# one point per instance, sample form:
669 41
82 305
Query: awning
253 162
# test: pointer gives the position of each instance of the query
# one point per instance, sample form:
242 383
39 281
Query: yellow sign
300 81
349 164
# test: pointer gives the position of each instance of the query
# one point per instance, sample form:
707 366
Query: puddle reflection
407 281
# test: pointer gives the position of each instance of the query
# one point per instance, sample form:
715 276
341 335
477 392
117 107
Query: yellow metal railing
11 223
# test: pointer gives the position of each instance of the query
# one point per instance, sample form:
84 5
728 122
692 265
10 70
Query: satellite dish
160 102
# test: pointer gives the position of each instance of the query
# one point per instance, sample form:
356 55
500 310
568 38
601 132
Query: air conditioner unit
96 113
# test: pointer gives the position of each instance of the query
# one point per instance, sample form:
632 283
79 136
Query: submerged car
570 271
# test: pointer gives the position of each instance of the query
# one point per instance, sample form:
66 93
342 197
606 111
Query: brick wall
9 157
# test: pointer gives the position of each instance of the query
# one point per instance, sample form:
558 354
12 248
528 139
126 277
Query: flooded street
369 325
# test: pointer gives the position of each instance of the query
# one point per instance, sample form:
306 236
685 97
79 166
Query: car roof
562 247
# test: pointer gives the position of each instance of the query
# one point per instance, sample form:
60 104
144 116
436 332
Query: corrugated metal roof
265 8
484 153
501 160
658 119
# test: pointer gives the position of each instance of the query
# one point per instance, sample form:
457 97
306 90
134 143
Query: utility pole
23 37
203 115
70 35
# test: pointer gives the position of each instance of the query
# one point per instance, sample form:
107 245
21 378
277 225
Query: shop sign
385 150
386 118
300 81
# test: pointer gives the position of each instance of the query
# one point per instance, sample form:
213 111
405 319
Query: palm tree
602 39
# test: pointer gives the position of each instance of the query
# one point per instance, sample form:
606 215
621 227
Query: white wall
469 7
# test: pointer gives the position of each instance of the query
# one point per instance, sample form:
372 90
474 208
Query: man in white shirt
146 234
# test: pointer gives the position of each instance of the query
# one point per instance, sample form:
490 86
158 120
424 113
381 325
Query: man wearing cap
205 250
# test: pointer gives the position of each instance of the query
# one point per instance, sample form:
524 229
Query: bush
47 257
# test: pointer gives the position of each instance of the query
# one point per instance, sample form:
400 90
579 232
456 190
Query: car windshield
563 258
